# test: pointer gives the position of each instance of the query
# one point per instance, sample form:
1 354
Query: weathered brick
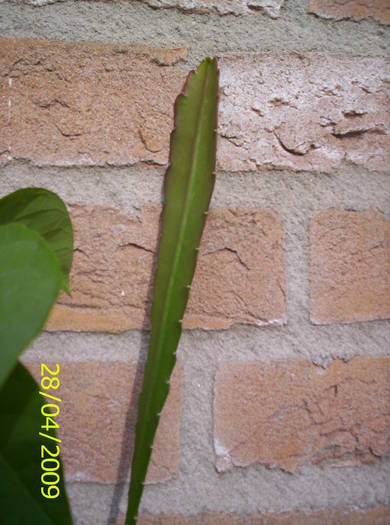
97 421
222 7
371 516
290 413
350 266
378 10
88 104
304 112
239 277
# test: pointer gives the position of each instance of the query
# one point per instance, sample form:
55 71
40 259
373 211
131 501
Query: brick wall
279 411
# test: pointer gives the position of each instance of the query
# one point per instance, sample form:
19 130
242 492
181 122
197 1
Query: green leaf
21 500
30 281
43 211
189 183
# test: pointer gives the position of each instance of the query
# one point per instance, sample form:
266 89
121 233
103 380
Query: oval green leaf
43 211
30 281
21 500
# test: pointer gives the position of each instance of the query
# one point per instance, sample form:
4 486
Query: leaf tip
208 62
212 61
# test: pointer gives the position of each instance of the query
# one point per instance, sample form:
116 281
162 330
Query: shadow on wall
127 445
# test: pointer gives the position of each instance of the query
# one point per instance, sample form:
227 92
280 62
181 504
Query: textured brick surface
356 9
304 112
88 120
374 516
239 276
87 104
291 413
350 266
97 419
222 7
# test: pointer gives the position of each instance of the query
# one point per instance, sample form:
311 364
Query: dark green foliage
43 211
36 248
30 280
21 501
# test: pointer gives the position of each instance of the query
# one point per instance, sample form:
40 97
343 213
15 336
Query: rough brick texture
374 516
97 419
239 277
95 104
290 413
378 10
87 104
304 104
350 266
304 112
222 7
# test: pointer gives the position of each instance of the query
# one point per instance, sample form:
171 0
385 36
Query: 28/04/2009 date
50 462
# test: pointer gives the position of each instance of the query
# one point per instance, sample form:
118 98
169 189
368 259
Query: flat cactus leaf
189 183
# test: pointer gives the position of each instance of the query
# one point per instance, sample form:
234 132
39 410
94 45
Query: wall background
283 423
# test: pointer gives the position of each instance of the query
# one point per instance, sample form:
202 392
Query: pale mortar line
201 34
321 344
261 491
129 188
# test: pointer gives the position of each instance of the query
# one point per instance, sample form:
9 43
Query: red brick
378 10
97 418
88 104
350 267
304 112
239 276
97 104
291 413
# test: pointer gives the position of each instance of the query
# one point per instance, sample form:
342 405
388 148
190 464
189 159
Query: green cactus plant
189 183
